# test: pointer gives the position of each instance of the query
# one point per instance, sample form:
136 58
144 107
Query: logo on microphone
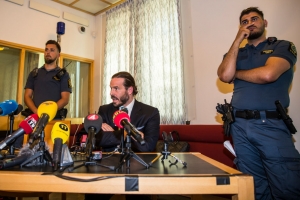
92 117
117 113
31 123
63 127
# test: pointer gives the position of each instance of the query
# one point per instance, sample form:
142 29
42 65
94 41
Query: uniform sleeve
66 85
286 50
30 82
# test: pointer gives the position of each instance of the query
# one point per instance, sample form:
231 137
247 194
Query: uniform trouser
265 150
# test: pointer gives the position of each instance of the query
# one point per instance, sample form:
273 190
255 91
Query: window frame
24 48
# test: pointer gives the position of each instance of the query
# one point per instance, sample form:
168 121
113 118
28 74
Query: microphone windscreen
93 120
8 107
29 123
18 110
118 116
49 108
60 130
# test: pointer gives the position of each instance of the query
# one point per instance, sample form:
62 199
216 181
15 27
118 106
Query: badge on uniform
292 49
267 51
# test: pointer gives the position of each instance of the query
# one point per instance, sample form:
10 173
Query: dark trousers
265 150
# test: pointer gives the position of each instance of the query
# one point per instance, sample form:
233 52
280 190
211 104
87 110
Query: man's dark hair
54 42
128 80
251 9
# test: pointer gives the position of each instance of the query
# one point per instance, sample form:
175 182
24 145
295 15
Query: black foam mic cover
93 121
18 110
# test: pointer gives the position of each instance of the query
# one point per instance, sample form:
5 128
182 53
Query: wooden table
193 180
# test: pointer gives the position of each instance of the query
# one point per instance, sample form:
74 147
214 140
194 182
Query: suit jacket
144 117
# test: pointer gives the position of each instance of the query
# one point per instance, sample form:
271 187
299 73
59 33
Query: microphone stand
121 148
128 154
89 153
11 148
165 153
42 152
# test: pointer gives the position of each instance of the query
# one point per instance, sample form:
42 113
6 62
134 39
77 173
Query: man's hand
142 136
106 127
243 33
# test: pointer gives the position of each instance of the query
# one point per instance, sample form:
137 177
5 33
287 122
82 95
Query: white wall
23 25
214 25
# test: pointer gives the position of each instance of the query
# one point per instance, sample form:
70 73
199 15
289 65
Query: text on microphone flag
32 122
92 117
63 127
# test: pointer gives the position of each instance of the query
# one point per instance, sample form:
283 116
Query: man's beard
257 34
49 60
123 99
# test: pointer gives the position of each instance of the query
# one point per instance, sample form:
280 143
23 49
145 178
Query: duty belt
255 114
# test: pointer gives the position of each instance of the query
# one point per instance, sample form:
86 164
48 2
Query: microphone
25 153
122 119
59 135
93 121
26 126
92 125
11 162
46 112
18 110
7 107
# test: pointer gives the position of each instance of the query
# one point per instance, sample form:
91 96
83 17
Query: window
17 61
79 100
9 67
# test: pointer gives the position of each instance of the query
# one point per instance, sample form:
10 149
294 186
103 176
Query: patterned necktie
123 108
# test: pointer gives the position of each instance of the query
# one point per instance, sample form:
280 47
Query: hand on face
243 33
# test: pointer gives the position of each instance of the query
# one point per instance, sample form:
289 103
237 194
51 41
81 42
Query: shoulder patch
69 83
292 49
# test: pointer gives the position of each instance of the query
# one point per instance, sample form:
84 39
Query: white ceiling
93 7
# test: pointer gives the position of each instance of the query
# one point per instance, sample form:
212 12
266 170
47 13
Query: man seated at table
144 117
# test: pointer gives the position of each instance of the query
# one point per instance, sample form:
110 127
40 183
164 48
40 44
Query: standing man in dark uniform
262 72
44 84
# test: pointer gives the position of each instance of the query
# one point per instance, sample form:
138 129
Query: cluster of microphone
34 125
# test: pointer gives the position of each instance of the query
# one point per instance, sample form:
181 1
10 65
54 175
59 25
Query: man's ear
130 90
266 23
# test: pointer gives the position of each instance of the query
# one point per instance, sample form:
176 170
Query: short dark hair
128 80
251 9
54 42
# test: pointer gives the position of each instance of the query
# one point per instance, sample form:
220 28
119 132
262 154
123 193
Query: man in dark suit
144 117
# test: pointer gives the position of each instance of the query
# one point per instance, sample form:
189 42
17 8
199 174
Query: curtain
9 66
143 37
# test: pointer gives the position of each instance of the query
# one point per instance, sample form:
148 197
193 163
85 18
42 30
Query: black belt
254 114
